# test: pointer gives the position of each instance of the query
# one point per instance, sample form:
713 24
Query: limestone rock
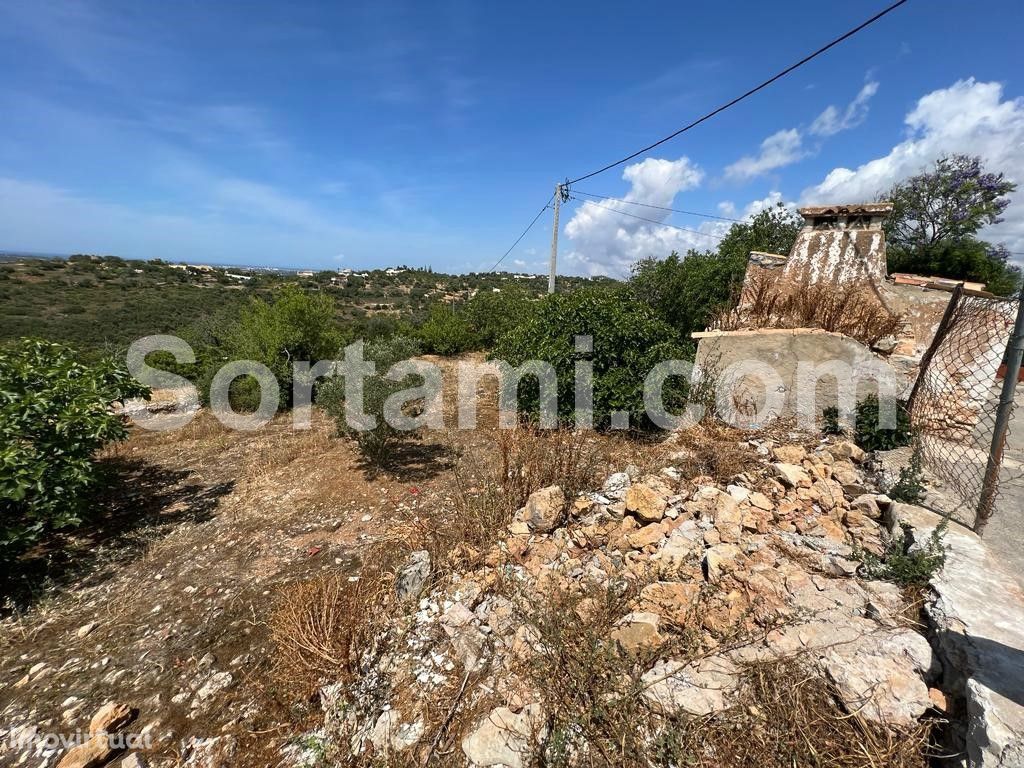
719 559
645 502
844 449
505 738
413 577
672 600
544 508
391 734
791 475
638 631
789 454
696 688
110 717
881 675
94 752
615 486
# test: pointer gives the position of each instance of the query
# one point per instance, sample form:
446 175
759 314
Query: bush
55 413
906 567
375 444
867 433
297 326
628 341
909 488
447 332
491 315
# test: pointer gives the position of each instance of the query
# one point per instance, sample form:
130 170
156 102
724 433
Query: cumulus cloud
606 242
832 120
780 149
969 117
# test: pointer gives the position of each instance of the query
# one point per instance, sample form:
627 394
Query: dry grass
783 715
713 449
769 303
322 627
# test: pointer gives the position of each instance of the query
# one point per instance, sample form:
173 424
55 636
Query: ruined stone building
829 310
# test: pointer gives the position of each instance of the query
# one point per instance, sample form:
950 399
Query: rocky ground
707 605
718 579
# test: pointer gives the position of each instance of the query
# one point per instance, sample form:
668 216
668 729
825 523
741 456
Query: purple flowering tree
952 201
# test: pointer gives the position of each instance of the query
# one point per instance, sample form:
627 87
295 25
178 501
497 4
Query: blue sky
361 135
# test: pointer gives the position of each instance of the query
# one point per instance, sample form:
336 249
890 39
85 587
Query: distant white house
305 273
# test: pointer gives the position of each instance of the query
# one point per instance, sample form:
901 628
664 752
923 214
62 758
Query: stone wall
768 373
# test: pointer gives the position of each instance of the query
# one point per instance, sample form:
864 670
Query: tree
629 339
296 326
446 332
688 292
375 444
951 202
936 217
55 413
966 259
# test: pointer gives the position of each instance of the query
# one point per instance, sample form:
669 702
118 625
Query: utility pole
561 193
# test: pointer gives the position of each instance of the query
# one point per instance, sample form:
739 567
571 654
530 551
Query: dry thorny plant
783 714
771 303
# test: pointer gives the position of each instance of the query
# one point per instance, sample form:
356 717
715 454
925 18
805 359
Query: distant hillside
100 303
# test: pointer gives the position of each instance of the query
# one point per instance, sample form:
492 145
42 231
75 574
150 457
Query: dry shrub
489 486
771 303
786 716
533 458
321 627
783 714
714 449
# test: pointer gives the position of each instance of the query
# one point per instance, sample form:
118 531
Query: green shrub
909 488
905 567
375 444
493 314
54 415
447 332
867 433
296 326
628 341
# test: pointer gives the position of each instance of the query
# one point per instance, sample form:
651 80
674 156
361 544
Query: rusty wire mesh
954 404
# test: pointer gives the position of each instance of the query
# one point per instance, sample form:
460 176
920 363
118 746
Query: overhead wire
652 221
751 92
658 207
523 234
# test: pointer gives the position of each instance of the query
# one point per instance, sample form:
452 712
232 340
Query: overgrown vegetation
688 292
377 436
770 303
55 413
936 217
628 340
906 565
868 430
909 486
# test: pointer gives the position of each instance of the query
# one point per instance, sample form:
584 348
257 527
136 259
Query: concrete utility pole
554 240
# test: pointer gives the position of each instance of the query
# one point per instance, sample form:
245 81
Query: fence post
1015 351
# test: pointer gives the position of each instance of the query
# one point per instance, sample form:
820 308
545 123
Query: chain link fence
955 408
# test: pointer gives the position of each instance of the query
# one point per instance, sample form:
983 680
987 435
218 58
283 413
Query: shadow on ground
137 503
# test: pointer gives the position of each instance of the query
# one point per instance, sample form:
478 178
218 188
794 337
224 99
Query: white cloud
606 242
780 149
969 117
832 121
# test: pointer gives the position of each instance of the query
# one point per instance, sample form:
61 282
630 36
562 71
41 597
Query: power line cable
751 92
652 221
658 207
521 236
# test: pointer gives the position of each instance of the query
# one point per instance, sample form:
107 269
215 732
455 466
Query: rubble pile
771 556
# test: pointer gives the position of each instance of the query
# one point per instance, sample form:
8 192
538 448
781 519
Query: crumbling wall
767 373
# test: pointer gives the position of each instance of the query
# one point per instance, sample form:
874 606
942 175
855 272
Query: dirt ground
161 601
